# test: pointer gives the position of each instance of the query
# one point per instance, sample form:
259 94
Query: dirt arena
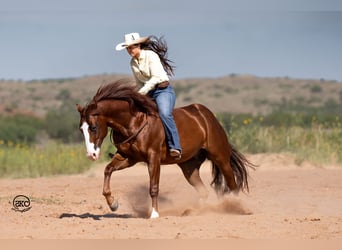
286 201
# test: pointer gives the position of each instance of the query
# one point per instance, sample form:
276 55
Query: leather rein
129 138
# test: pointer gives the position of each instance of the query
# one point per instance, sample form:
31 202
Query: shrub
316 89
62 123
19 128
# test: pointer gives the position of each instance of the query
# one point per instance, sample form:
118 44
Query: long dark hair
159 46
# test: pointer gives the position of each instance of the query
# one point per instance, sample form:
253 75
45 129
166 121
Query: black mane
124 89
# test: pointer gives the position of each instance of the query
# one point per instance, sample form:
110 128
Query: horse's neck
121 118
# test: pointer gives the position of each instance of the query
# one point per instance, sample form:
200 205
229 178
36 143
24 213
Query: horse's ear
79 108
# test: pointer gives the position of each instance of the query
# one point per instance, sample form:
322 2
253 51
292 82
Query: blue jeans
166 100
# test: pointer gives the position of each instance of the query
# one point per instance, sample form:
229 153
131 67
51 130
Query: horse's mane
124 89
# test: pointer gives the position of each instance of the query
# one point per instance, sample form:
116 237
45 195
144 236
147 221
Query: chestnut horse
139 136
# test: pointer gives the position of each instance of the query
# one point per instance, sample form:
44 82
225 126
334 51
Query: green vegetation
19 160
309 137
39 133
313 138
19 128
62 124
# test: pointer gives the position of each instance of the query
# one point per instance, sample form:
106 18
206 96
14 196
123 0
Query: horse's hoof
154 214
114 206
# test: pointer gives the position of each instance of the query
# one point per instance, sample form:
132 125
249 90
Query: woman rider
151 69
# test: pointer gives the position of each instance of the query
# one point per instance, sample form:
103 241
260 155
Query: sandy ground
286 201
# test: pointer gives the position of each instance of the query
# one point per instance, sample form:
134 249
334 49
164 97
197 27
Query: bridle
129 138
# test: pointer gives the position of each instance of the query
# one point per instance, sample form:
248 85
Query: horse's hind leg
222 164
190 170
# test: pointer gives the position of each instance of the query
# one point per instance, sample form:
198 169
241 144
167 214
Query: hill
231 94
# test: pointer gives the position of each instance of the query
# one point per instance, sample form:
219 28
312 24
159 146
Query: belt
162 85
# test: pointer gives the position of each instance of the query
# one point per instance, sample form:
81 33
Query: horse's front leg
118 162
154 173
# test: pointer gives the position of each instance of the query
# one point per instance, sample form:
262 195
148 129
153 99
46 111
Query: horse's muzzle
94 155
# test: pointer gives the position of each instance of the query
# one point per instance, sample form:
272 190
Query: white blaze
91 152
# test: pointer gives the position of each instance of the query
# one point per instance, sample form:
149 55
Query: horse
139 136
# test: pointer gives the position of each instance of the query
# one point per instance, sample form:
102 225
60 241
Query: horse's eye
92 128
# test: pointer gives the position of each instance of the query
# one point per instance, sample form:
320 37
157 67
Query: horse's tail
239 164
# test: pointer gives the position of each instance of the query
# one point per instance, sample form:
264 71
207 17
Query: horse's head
93 122
94 129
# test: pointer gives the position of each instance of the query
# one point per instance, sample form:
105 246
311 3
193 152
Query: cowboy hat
130 39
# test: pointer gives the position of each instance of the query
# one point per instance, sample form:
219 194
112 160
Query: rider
151 69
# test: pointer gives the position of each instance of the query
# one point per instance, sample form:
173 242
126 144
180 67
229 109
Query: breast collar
129 138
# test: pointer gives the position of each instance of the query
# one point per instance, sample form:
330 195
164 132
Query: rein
129 138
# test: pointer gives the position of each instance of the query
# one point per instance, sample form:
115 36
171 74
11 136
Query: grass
317 143
23 161
19 161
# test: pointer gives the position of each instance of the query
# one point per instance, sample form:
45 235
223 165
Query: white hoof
154 214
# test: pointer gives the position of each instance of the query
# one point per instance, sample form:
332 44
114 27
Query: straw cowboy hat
130 39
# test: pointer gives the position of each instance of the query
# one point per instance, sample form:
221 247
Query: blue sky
268 38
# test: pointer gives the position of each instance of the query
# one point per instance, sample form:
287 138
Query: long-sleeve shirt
148 70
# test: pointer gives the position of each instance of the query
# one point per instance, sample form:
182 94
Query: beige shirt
148 70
